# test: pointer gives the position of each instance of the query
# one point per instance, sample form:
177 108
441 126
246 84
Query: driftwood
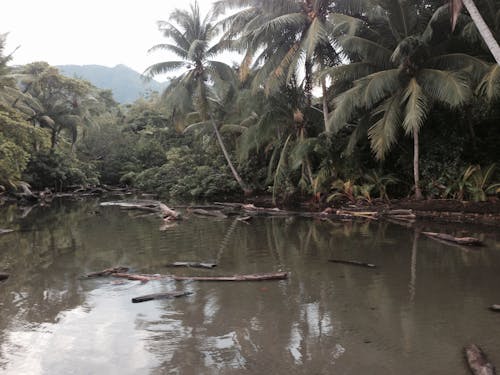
4 276
107 272
477 361
495 308
147 205
5 231
192 264
470 241
353 263
252 277
157 296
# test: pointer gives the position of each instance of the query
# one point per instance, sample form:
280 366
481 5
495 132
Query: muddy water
411 315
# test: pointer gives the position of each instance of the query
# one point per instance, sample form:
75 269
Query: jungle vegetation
346 100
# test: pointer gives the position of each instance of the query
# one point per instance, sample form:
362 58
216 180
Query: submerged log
156 296
138 277
353 263
477 361
192 264
107 272
4 276
471 241
251 277
213 213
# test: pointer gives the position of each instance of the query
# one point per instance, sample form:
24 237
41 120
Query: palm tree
53 101
285 39
397 82
191 37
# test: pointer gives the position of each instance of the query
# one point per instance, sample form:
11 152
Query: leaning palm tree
397 82
191 37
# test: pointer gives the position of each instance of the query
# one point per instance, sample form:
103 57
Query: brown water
411 315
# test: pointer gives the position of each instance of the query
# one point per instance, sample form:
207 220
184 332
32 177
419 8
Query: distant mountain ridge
127 84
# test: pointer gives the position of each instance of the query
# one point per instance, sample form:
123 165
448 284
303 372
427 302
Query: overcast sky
104 32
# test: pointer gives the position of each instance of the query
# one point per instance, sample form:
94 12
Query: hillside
127 84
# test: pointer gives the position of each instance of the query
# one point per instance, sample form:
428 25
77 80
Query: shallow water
411 315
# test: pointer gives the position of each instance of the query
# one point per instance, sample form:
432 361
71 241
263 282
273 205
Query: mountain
127 84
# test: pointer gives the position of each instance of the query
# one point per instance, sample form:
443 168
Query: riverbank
439 210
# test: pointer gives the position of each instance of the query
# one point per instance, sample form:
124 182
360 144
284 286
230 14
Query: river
413 314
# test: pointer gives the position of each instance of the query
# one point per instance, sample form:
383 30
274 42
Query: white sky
103 32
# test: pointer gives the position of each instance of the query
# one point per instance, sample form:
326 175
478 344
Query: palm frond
182 53
316 35
417 107
365 49
164 67
451 88
383 133
490 84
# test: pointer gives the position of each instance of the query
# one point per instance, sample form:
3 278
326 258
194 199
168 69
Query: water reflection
326 318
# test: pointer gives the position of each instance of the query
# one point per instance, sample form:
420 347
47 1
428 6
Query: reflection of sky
102 339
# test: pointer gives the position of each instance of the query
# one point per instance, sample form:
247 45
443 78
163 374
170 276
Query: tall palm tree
398 75
192 42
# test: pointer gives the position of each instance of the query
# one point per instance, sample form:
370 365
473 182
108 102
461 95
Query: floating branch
192 264
478 362
4 276
470 241
353 263
157 296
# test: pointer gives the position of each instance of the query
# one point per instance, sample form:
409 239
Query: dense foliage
333 101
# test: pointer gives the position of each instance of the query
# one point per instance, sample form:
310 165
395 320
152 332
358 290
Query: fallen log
5 231
353 263
477 361
4 276
192 264
495 308
470 241
252 277
156 296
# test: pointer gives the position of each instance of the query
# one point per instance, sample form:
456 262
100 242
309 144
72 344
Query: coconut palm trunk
478 20
325 102
236 176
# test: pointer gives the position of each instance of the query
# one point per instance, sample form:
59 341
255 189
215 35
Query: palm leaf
451 88
383 133
417 107
164 67
490 84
